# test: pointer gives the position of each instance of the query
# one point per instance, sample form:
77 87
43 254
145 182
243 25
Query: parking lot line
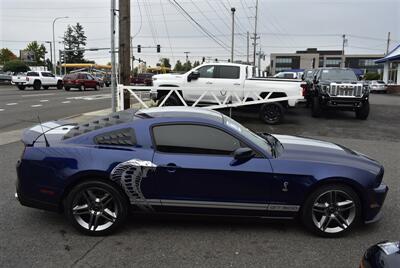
1 110
44 100
66 102
36 105
38 95
12 103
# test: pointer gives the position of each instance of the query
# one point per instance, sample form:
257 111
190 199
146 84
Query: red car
143 79
81 81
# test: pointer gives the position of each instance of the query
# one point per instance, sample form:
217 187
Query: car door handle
209 83
236 84
170 167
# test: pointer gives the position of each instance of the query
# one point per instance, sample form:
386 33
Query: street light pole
113 66
233 32
51 51
54 43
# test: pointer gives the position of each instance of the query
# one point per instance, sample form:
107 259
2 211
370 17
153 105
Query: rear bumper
376 198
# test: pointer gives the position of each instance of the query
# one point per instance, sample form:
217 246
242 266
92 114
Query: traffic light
158 48
139 48
139 60
62 56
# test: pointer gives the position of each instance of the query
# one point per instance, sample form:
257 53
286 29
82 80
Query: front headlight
325 88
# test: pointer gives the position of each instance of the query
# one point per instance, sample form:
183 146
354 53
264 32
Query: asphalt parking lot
36 238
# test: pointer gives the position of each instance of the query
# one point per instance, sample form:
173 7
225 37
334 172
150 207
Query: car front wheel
363 112
96 207
272 113
331 210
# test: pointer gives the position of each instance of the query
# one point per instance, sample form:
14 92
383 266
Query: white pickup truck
37 80
212 81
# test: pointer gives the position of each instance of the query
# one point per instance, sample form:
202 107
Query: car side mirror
193 76
243 154
302 77
315 81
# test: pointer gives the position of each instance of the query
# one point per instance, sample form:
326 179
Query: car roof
180 111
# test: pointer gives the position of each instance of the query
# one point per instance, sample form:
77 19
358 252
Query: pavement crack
87 252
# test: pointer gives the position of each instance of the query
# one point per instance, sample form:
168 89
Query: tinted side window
32 74
206 71
228 72
194 139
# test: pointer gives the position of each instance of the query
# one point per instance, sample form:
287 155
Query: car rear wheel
96 87
96 207
363 112
272 113
331 210
81 87
37 85
66 88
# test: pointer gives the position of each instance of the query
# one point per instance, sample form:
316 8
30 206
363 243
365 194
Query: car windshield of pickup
338 75
266 141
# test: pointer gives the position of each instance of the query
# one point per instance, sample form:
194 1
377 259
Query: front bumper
376 198
343 102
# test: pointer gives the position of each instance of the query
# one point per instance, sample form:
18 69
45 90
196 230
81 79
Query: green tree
372 76
165 62
75 41
187 66
15 66
178 66
196 63
38 50
6 55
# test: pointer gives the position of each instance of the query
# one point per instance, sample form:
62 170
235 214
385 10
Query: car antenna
44 135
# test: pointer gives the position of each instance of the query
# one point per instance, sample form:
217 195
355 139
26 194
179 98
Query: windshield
338 74
266 141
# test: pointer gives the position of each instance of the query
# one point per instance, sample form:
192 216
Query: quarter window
194 139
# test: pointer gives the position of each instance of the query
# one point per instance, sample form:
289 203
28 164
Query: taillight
304 89
27 79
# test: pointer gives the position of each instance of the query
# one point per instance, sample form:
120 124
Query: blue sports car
193 161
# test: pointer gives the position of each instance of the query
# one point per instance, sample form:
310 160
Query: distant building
314 58
391 63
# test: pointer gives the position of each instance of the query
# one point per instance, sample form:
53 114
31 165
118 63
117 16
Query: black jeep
339 89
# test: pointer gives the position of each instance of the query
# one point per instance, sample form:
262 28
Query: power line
166 30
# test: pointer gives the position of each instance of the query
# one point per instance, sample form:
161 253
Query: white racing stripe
304 141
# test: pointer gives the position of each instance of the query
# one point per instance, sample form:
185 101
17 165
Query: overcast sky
284 25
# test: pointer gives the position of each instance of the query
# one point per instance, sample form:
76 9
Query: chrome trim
288 208
346 90
16 196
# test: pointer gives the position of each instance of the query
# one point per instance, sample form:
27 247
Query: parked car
81 81
193 161
99 78
107 80
377 86
37 80
339 89
143 79
382 255
213 81
5 78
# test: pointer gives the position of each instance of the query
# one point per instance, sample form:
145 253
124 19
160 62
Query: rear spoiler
31 135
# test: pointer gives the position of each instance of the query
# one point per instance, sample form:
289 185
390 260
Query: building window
332 62
284 60
367 62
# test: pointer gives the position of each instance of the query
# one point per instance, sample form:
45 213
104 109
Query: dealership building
391 66
314 58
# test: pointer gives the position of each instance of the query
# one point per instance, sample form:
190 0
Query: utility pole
388 43
51 52
187 55
54 43
124 49
233 32
132 55
113 66
255 38
248 47
344 41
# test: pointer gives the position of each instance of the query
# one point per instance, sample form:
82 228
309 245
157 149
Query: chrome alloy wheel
333 211
94 209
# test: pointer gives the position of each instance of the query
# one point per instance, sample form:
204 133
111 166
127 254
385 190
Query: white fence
229 100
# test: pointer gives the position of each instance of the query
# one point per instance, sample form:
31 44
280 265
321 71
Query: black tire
67 88
45 87
59 85
352 213
37 85
81 87
272 113
96 87
21 87
171 101
363 112
115 209
316 110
